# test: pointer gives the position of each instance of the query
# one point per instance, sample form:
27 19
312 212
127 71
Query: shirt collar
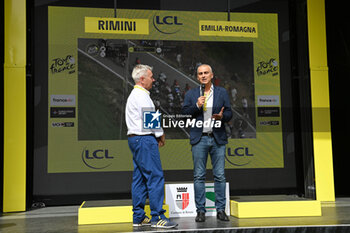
211 88
141 88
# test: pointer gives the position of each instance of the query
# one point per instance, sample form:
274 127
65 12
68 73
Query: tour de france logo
152 119
267 67
63 64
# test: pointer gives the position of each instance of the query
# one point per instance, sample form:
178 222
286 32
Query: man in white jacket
148 179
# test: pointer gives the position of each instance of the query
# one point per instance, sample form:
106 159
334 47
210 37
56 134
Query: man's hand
161 140
200 101
219 115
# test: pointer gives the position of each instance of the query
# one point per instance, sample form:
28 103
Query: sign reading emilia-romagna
91 55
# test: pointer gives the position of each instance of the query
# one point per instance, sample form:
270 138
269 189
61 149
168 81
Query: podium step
250 208
109 211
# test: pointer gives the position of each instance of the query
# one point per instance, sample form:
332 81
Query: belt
208 134
133 135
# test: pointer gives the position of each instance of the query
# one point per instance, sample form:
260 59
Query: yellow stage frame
270 209
14 183
14 195
321 123
110 214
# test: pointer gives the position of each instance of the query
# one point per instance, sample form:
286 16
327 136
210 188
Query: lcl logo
101 156
168 24
238 152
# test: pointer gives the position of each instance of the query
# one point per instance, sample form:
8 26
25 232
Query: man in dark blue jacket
210 105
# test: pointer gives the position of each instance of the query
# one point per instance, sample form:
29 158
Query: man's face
204 74
147 80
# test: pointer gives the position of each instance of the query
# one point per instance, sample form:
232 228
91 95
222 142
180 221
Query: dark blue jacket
221 99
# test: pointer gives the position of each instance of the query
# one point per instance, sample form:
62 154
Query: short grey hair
211 70
139 71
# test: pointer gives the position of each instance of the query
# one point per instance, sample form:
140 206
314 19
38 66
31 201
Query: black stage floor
335 218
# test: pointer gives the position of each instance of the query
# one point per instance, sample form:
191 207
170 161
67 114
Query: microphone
203 88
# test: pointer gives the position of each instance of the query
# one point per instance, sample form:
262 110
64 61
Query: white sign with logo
180 198
268 100
181 202
62 100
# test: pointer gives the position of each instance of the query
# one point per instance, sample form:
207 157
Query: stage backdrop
91 55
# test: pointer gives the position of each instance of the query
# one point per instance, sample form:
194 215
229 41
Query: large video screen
91 55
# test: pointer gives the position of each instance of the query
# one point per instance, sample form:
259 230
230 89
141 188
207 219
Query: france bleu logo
151 119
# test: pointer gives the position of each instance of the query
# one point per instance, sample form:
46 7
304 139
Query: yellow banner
228 28
92 54
116 25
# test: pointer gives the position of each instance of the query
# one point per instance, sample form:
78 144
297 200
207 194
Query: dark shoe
200 217
222 216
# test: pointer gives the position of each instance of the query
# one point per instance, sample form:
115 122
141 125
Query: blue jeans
200 156
147 179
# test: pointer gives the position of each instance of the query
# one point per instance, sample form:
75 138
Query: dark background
338 45
295 178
